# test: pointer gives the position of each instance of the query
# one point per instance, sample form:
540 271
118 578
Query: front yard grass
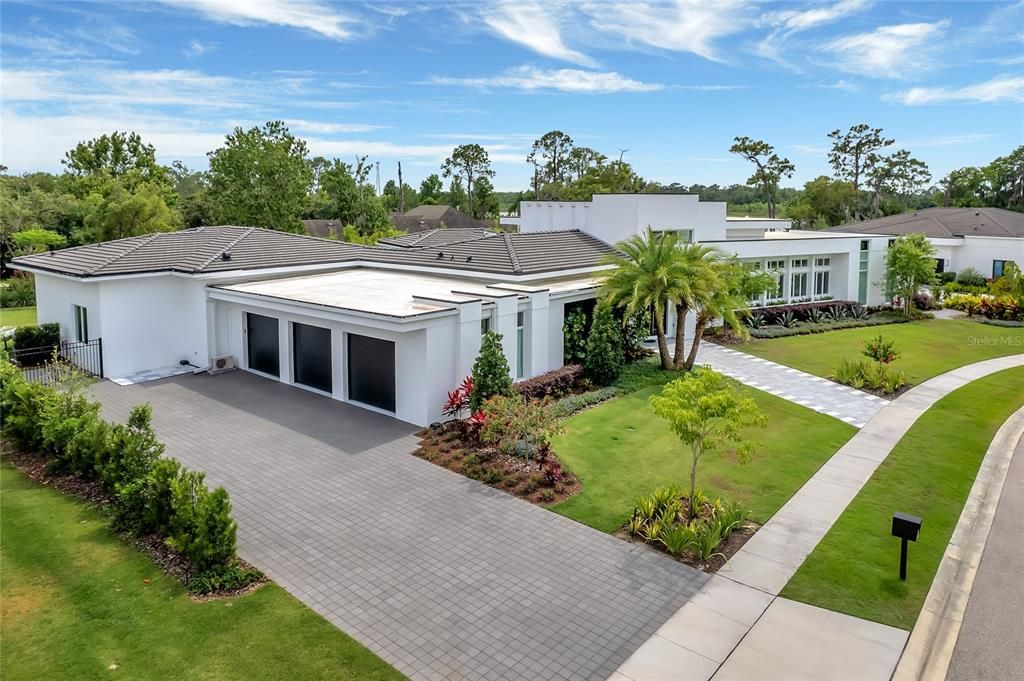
928 347
78 603
17 316
621 449
855 568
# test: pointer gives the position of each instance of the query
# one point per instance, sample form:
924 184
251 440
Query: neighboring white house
394 327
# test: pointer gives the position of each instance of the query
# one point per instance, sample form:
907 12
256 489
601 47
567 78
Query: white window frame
823 275
81 315
520 344
795 276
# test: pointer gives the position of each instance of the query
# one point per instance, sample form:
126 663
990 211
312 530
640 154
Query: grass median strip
928 347
621 449
78 603
929 473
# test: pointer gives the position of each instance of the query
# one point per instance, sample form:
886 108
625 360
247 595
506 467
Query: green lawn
855 568
76 601
621 449
17 316
928 347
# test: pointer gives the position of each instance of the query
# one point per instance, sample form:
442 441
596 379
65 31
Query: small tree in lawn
909 265
706 411
491 375
604 357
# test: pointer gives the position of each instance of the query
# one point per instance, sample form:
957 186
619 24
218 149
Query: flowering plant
458 399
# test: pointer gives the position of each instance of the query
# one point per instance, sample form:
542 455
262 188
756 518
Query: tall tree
852 151
580 160
822 204
909 265
551 153
485 201
648 274
123 214
431 189
469 161
116 155
898 174
260 177
456 194
769 168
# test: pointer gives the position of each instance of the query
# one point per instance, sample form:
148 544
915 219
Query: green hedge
807 328
151 494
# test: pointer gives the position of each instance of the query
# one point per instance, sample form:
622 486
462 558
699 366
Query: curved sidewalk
749 583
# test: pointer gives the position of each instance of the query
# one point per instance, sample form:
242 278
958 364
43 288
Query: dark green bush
491 375
605 358
810 327
574 337
19 292
44 337
131 450
201 527
970 277
229 578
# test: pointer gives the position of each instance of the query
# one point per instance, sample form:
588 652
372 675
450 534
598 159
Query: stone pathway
772 556
440 575
855 407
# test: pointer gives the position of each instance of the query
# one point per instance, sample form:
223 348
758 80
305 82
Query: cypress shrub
605 357
491 375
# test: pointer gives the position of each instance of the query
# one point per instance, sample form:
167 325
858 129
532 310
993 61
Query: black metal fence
38 365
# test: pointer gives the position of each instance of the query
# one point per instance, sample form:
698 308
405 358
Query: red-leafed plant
458 399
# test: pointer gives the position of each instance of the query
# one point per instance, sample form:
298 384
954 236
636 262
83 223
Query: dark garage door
311 353
264 344
371 371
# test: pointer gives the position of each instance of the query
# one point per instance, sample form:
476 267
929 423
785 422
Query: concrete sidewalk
772 556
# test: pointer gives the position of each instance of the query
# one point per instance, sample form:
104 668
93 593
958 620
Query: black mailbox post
906 527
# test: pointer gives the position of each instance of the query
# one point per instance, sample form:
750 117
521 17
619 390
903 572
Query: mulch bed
722 554
155 546
446 447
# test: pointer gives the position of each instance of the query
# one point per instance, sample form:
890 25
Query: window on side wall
821 282
520 344
485 325
999 268
81 323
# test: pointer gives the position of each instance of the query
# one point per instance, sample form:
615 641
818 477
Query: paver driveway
441 576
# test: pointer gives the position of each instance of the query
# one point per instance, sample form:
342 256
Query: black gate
37 364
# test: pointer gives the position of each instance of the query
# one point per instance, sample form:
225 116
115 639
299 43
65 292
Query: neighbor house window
520 332
999 268
81 323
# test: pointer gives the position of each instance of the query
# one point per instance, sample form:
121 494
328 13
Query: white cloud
322 128
949 140
896 51
681 26
532 26
317 17
577 81
802 20
197 48
997 90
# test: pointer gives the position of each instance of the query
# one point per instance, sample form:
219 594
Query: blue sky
671 83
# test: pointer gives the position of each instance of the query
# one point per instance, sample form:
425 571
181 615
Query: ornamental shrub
554 383
605 357
201 526
491 375
42 340
574 332
970 277
131 451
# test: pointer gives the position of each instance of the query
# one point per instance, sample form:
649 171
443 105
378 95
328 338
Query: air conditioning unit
222 364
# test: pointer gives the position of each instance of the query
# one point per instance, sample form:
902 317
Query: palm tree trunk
659 329
681 312
698 334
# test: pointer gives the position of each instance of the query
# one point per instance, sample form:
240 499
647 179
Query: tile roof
229 248
944 222
436 237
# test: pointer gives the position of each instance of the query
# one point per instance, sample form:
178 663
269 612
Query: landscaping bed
244 578
541 480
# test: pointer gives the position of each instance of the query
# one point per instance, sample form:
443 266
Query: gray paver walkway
772 556
855 407
443 577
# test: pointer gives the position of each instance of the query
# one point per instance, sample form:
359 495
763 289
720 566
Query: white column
536 341
212 344
505 309
284 338
556 337
467 340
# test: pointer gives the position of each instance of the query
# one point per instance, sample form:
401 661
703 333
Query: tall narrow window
485 325
821 282
520 332
798 285
81 323
862 284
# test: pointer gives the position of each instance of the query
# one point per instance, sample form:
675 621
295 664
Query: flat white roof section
390 293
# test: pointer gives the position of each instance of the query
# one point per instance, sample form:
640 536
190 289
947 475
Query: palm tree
735 285
653 271
643 277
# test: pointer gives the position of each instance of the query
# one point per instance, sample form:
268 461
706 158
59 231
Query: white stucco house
393 327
